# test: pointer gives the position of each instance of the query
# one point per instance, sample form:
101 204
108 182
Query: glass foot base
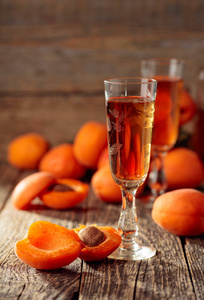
140 252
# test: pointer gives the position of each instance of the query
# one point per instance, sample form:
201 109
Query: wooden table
176 272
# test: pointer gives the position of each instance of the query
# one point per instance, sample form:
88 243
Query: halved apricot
48 246
64 193
101 251
29 188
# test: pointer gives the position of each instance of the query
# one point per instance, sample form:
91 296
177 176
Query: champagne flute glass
169 76
130 111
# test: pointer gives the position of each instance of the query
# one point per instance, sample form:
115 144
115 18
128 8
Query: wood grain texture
171 274
194 249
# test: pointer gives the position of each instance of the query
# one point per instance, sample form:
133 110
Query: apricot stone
26 151
89 142
183 168
61 162
180 212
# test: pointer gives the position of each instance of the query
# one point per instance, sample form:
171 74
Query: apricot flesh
180 212
48 246
59 199
89 142
61 162
26 151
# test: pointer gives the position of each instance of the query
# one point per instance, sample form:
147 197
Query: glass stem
128 222
157 179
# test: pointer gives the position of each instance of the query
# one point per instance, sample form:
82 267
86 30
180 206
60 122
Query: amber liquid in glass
166 117
129 122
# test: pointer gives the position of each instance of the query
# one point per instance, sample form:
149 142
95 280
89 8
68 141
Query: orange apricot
64 193
48 246
26 151
187 107
183 168
29 188
103 158
61 162
89 142
111 243
180 212
104 186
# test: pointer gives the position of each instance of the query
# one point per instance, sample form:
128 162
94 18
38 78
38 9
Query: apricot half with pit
29 188
180 212
64 193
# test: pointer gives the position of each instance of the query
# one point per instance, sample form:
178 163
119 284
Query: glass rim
163 60
132 80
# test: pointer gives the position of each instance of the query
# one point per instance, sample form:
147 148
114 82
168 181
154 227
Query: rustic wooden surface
176 272
54 56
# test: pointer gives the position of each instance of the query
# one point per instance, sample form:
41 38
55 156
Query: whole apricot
26 151
89 142
105 187
183 168
61 162
103 158
180 212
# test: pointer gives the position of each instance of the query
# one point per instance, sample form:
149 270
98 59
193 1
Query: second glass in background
169 76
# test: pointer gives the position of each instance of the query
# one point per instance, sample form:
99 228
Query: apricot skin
180 212
103 158
61 162
183 169
89 142
105 187
26 151
29 188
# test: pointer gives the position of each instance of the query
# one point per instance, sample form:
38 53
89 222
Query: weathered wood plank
168 13
195 255
8 177
82 63
165 276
